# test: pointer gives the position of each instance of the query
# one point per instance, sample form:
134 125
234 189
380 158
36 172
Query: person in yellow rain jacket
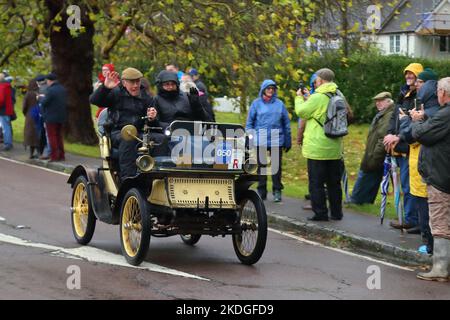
427 100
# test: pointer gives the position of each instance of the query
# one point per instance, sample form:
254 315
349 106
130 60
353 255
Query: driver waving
127 103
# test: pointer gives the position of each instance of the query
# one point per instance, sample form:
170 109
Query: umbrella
345 184
385 185
397 196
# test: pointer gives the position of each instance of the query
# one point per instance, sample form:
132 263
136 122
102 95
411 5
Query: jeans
411 216
275 166
7 130
367 186
424 220
329 173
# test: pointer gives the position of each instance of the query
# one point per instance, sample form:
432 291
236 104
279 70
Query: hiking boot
277 196
441 260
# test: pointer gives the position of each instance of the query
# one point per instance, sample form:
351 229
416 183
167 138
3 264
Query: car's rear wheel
249 245
190 239
82 216
135 227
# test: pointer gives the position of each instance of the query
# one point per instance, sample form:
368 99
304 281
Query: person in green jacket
372 165
323 154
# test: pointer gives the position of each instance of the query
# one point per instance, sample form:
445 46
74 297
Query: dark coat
405 101
54 104
375 153
30 132
123 108
180 106
428 97
434 135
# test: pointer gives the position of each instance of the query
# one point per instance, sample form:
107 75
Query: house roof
330 23
407 16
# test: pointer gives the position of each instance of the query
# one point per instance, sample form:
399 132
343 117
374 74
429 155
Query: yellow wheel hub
80 210
131 226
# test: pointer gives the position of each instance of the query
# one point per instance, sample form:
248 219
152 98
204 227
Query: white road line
34 166
317 244
95 255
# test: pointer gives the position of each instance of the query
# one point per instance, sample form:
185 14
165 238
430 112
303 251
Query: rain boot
441 259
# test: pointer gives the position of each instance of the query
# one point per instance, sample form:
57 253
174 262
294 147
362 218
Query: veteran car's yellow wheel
82 216
249 245
135 227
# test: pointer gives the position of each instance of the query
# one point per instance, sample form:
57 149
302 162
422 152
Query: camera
301 86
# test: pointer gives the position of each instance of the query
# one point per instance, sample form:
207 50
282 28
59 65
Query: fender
97 197
142 182
243 183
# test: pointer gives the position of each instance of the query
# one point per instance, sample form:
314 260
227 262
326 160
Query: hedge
362 76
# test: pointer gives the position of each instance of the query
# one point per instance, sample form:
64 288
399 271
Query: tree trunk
72 61
345 23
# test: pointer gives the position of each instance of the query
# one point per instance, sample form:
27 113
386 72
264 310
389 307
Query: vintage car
203 190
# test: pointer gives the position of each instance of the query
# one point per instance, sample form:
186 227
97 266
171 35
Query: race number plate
227 154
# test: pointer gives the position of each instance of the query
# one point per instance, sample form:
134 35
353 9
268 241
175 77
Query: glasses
271 88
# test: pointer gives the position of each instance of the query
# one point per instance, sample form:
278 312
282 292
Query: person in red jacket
6 111
106 69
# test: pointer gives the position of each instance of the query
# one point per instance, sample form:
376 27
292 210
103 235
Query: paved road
289 269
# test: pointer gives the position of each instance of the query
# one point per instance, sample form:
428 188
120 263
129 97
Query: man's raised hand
112 80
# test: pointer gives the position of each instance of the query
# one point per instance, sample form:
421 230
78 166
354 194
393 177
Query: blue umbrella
385 186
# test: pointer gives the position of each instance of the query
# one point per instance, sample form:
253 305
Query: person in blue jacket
268 119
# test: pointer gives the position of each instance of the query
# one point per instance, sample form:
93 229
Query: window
394 43
444 44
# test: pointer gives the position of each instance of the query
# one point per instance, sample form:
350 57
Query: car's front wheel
135 227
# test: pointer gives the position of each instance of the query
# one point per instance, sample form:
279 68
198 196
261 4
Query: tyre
135 227
82 216
190 239
249 245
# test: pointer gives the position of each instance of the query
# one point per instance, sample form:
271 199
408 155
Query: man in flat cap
371 169
127 103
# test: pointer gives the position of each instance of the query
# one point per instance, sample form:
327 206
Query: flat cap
51 76
325 74
131 74
383 95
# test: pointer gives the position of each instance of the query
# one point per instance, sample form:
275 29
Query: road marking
95 255
34 166
317 244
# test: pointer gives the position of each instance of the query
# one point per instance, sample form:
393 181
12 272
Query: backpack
336 124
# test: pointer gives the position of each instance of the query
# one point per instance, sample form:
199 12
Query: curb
325 235
56 166
346 240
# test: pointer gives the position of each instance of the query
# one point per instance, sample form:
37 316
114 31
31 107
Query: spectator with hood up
269 120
